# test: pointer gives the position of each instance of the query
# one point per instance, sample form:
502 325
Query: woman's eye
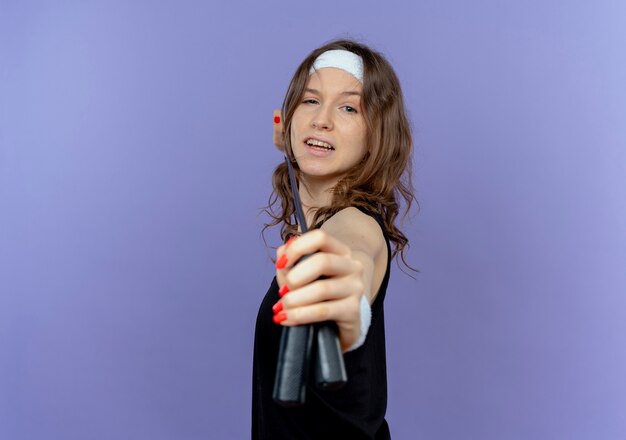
310 101
350 109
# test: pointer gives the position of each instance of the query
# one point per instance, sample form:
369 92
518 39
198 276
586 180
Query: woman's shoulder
354 225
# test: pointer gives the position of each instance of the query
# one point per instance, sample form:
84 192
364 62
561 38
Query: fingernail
283 291
282 262
277 307
280 317
276 119
293 237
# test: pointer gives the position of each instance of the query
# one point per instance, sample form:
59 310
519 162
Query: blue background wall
135 155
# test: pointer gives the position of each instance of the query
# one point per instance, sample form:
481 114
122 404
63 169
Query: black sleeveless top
356 411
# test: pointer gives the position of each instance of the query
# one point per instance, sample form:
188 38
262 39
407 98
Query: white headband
341 59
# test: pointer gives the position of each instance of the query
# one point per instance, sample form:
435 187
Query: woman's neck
315 193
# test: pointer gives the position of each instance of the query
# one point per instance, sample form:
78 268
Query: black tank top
356 411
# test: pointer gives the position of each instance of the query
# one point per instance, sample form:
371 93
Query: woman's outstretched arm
351 253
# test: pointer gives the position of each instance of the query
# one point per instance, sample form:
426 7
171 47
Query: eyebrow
348 93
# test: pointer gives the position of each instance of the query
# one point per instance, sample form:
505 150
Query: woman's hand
305 299
279 134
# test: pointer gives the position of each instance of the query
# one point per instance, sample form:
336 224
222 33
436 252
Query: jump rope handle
330 370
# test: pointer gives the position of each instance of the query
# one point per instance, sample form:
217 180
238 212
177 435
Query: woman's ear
279 133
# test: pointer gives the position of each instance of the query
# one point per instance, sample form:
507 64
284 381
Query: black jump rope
297 346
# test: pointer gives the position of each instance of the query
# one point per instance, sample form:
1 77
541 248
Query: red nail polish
277 307
293 237
283 291
282 262
276 119
280 317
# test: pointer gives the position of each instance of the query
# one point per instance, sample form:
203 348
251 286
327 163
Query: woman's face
328 131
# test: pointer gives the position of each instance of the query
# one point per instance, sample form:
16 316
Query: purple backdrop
135 155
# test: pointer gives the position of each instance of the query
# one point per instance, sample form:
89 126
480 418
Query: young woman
345 129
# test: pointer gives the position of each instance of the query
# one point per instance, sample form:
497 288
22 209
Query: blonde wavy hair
382 177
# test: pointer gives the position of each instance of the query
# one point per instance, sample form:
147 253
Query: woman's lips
318 151
319 142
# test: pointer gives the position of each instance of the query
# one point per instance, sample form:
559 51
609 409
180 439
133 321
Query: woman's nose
322 119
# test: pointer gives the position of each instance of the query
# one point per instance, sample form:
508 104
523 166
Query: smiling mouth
319 145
